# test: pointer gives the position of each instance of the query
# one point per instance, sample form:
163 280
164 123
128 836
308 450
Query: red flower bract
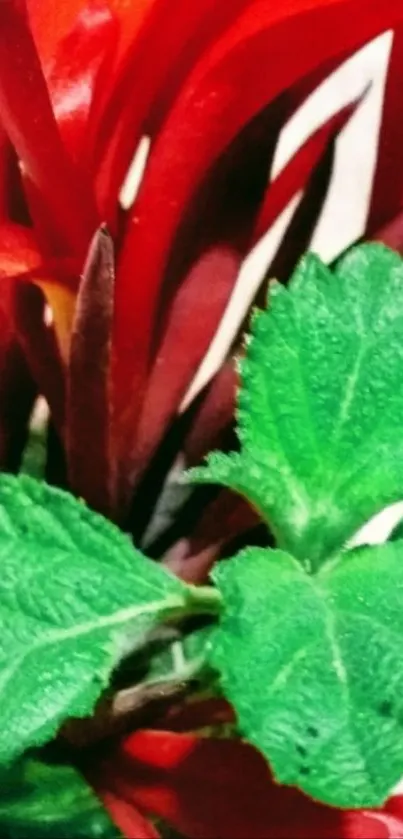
207 788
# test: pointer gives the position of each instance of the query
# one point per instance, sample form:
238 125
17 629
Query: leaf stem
205 600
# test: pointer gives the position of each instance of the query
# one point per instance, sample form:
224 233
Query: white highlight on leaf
344 216
378 529
135 174
249 279
346 83
48 315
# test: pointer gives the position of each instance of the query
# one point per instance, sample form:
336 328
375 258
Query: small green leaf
40 800
321 404
75 597
313 667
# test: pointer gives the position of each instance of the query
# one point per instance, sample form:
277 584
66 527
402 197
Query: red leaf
76 75
88 415
174 49
270 45
207 788
19 255
27 117
127 818
4 164
224 519
297 172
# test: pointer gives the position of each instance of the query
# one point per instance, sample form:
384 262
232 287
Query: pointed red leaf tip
27 117
88 410
207 788
297 172
271 45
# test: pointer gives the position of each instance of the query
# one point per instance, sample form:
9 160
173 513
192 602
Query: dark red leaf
224 519
213 416
88 410
391 234
387 188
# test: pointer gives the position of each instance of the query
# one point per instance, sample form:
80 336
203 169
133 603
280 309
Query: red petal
173 47
207 788
19 255
77 73
270 45
127 818
52 20
26 114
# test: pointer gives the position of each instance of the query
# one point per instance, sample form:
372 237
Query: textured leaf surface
41 801
323 698
74 597
321 405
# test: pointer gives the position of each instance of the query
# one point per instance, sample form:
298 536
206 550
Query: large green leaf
40 800
320 412
75 597
313 666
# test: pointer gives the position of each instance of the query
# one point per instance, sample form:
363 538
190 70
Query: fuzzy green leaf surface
320 411
313 667
75 597
40 800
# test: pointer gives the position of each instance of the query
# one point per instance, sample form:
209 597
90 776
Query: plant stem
205 600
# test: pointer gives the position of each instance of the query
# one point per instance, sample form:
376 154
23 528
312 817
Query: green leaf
43 801
320 412
323 697
75 597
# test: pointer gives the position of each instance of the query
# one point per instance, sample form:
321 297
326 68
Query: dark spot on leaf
385 708
312 731
301 750
304 770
